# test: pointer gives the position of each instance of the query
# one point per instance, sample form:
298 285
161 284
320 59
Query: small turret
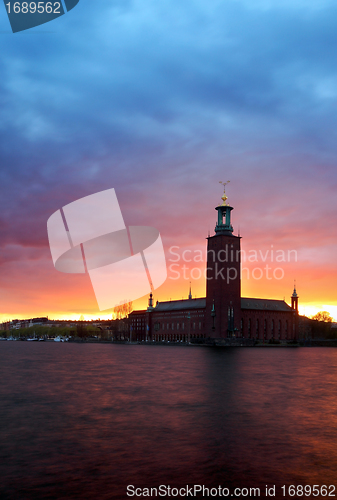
294 299
150 307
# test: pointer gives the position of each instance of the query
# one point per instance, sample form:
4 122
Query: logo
124 263
25 15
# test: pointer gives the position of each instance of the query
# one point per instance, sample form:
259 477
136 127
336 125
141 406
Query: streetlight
213 314
189 326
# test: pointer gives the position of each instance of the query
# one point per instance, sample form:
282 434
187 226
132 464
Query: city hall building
223 313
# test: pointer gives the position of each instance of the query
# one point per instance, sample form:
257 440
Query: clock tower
223 282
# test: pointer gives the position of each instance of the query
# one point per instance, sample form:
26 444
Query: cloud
163 100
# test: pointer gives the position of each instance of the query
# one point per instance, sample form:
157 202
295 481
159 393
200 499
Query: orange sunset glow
271 260
163 130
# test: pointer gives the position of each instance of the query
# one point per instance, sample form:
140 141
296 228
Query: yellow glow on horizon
310 309
60 316
332 309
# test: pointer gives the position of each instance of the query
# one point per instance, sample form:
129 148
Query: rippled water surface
83 421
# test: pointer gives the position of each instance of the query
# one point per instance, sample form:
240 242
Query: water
83 421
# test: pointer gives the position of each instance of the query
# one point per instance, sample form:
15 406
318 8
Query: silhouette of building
223 313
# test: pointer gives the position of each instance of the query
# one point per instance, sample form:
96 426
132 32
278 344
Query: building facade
223 313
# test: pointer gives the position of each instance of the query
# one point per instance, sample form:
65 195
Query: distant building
17 324
223 313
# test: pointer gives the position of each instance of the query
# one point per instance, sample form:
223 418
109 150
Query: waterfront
83 421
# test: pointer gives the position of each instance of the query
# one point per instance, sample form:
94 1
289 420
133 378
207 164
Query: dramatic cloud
161 100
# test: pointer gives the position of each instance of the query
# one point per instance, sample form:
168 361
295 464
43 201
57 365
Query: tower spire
224 225
294 299
150 307
224 197
190 294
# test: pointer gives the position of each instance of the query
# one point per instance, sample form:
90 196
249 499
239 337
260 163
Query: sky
161 100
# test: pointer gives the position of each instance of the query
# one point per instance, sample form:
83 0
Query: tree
122 311
323 316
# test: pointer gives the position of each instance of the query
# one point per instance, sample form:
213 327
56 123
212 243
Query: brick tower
294 306
223 284
294 300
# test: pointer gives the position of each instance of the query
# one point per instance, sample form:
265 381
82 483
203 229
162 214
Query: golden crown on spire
224 197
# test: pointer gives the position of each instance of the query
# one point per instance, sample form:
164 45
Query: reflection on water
82 421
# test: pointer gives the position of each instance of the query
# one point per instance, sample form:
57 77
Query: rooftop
200 303
265 304
176 305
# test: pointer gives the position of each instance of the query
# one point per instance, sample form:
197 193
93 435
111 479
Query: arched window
249 327
257 328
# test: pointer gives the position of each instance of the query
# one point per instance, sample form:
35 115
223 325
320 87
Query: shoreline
216 343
